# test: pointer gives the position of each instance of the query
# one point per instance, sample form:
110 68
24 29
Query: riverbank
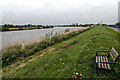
23 28
20 51
14 37
64 59
11 27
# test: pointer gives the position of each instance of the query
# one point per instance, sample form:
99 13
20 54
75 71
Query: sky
52 12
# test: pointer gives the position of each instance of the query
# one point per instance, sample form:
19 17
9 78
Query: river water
12 37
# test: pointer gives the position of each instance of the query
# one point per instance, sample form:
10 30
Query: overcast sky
59 11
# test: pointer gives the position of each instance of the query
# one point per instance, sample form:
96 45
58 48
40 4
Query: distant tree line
118 24
76 25
115 25
10 27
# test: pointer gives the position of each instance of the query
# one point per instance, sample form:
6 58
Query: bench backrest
113 54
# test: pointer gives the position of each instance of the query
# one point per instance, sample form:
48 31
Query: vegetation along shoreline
21 51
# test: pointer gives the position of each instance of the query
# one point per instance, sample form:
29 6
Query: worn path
116 29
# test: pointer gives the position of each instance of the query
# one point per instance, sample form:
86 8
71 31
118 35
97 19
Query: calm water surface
12 37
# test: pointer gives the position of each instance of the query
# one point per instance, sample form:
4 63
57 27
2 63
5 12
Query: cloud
59 11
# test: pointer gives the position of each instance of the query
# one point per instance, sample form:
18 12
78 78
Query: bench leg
96 68
113 70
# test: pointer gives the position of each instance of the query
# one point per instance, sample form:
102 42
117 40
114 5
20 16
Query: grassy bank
64 59
18 52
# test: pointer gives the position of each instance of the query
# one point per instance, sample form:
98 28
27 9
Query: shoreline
16 37
16 29
22 29
19 51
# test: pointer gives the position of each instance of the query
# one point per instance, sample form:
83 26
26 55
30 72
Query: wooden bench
102 62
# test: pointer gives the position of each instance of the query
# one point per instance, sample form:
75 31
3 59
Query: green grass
21 51
63 59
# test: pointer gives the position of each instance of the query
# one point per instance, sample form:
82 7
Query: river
12 37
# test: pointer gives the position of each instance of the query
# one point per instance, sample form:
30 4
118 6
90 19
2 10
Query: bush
118 24
67 30
55 39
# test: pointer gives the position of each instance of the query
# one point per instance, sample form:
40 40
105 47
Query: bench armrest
101 51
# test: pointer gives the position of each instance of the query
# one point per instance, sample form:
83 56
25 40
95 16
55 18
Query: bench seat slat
105 63
96 59
102 61
99 61
108 65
